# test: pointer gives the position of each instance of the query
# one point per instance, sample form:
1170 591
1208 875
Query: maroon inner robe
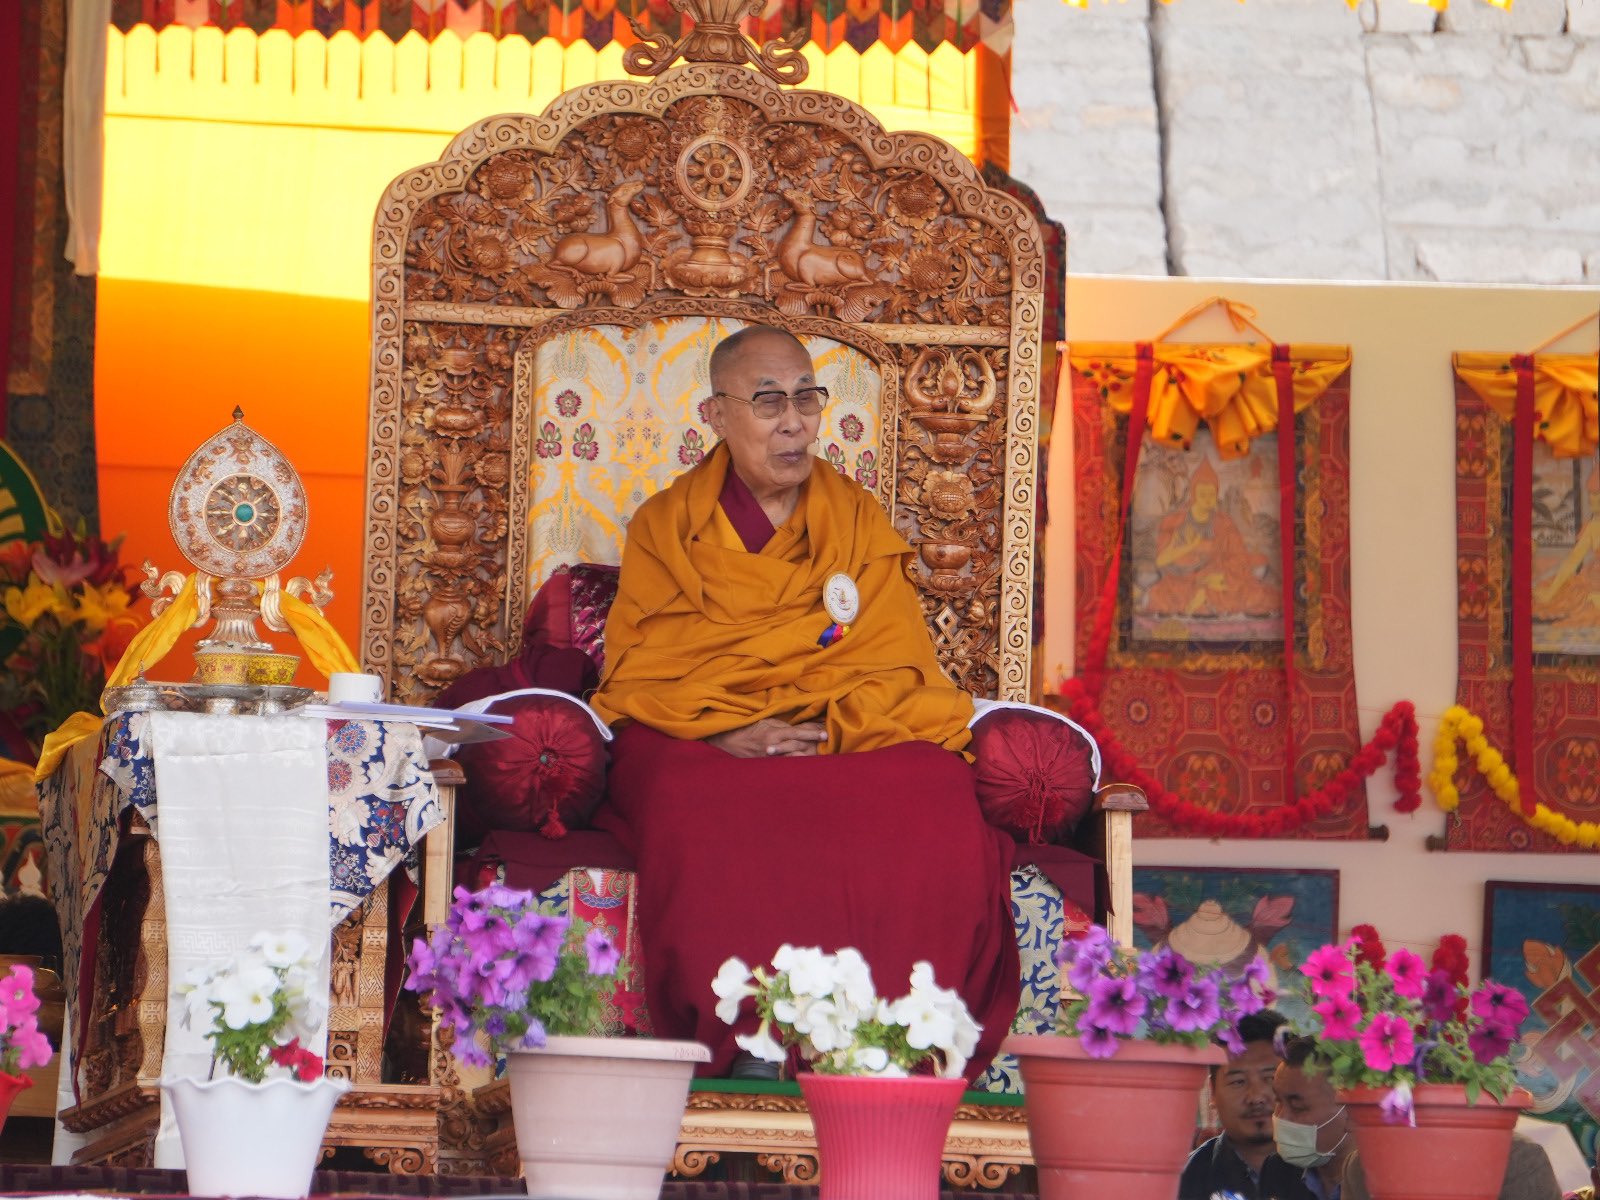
884 850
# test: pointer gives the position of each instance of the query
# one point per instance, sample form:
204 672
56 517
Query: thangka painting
1563 599
1229 916
1544 940
1193 687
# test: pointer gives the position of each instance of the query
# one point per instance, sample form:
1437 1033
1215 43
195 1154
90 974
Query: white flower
853 979
810 972
731 985
761 1045
927 1023
827 1028
792 1011
869 1060
246 996
283 949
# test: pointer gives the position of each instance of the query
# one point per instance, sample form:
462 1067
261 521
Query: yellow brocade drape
1566 407
706 637
1229 386
317 636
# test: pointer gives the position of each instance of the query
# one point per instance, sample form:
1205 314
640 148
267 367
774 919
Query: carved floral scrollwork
455 462
950 496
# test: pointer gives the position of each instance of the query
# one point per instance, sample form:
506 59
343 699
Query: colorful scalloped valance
1566 395
1230 386
858 23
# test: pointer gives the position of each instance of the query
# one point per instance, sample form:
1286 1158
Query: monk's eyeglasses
807 402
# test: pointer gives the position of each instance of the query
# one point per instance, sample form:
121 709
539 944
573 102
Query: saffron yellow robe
705 637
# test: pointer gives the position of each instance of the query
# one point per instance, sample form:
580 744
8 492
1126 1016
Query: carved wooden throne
706 193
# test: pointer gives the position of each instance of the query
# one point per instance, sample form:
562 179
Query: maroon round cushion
1035 774
548 775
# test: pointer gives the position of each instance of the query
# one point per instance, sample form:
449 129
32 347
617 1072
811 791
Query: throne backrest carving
708 194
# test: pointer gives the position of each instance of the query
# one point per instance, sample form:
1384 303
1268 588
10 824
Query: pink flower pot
880 1139
1456 1150
1119 1126
599 1117
10 1086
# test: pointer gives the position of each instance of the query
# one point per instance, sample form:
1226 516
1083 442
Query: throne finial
716 37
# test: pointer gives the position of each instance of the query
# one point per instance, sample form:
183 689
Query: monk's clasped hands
771 737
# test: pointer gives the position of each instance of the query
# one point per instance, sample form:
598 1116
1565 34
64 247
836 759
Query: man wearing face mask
1310 1127
1240 1161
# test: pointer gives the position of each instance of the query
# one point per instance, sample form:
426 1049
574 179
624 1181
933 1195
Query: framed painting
1227 916
1544 940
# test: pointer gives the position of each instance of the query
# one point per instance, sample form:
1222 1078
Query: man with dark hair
1240 1160
1311 1128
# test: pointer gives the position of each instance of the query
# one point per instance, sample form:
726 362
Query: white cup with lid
350 687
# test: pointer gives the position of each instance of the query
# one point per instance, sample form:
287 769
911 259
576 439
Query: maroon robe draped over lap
884 850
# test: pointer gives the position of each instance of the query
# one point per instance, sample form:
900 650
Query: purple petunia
603 953
1166 972
1228 1035
1439 996
1196 1008
1396 1107
1115 1004
1490 1041
1097 1041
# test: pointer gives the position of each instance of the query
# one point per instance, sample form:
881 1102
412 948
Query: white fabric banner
83 129
243 829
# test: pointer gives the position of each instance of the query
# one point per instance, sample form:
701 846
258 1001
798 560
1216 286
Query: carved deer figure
608 253
816 265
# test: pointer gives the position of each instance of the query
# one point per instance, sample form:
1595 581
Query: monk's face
773 454
1205 501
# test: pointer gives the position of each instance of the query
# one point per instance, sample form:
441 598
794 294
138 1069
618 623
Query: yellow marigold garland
1459 725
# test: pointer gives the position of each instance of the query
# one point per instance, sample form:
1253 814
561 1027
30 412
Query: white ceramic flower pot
599 1117
252 1139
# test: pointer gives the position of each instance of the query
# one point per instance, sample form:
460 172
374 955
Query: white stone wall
1302 139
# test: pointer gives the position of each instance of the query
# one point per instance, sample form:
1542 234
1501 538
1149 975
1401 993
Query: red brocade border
1204 729
1565 689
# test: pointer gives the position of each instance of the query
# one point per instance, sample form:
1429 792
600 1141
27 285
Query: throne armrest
1108 836
438 854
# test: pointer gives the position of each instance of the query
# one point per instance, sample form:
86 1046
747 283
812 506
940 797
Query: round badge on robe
841 599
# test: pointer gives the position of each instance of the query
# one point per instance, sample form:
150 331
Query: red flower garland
1396 732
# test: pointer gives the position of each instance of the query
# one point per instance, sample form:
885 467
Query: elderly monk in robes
787 763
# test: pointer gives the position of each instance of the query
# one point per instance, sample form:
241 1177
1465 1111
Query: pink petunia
1500 1005
1408 972
1341 1017
1330 971
1387 1042
17 1001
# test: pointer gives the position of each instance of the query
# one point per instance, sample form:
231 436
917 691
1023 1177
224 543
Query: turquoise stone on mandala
244 513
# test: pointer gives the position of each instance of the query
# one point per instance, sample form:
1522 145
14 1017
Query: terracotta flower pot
1119 1126
880 1139
599 1117
10 1086
252 1139
1456 1151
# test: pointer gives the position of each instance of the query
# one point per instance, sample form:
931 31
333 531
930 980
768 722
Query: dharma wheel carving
706 191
